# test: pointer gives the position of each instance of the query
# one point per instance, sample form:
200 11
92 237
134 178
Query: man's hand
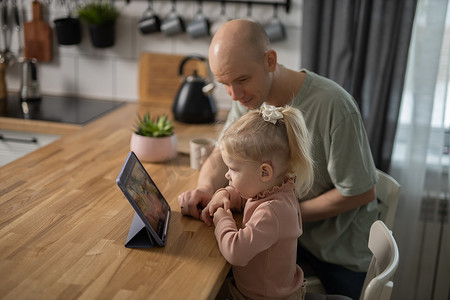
193 202
211 178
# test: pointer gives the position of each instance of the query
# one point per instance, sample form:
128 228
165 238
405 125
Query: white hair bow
271 113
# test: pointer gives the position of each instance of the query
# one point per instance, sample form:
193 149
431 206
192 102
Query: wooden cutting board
37 36
158 76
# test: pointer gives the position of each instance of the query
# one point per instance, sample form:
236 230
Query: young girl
269 165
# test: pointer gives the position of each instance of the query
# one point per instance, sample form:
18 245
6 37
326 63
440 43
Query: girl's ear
265 172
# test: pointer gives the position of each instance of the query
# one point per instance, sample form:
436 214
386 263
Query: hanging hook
150 5
249 9
222 8
285 3
200 7
275 11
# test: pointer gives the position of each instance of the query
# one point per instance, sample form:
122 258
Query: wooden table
64 222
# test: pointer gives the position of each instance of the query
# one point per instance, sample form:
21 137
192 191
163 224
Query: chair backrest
159 78
388 192
378 283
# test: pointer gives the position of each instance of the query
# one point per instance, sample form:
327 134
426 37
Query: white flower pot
154 149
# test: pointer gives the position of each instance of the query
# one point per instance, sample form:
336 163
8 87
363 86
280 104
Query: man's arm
332 203
212 173
211 178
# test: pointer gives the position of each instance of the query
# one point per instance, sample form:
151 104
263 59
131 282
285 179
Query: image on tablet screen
148 198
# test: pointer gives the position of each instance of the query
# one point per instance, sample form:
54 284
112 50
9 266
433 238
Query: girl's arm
227 198
240 246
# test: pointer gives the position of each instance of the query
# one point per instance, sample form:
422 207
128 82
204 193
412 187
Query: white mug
199 27
200 149
275 31
173 24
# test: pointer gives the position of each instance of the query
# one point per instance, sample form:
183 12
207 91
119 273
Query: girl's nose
227 176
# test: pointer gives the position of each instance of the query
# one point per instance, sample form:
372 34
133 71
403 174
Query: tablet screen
147 196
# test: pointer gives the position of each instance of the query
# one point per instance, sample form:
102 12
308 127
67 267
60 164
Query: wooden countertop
64 222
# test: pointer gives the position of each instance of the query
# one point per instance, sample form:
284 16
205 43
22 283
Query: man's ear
271 60
265 172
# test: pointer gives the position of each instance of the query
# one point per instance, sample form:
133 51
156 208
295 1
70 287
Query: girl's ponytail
300 149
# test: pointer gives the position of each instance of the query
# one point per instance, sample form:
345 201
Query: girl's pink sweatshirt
264 251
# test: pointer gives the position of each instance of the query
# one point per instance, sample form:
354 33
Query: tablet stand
138 235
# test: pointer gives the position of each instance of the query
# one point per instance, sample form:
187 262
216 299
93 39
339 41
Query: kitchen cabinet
15 144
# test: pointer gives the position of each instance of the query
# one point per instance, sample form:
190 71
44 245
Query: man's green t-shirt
342 160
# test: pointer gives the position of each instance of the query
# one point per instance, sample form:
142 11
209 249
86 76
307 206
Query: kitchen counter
64 222
38 126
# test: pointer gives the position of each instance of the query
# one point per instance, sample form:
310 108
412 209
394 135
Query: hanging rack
285 3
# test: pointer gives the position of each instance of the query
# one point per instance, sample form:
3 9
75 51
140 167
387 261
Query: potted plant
101 18
68 29
154 139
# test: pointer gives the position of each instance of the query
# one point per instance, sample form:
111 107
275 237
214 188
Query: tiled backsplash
111 73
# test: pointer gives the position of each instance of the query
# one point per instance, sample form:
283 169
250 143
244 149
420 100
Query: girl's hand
220 213
220 199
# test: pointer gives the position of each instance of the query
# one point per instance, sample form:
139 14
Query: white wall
111 73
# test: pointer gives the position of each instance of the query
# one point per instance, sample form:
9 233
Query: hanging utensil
18 28
6 56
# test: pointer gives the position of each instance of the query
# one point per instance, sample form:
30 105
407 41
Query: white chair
378 283
388 192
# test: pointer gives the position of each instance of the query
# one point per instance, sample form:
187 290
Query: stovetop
63 109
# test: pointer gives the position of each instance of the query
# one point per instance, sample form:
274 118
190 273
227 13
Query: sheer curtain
420 159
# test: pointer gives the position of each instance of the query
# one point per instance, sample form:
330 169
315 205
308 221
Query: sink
15 144
72 110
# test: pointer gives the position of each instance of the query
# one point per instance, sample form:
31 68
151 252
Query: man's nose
235 93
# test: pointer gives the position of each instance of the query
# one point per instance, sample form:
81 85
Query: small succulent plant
154 127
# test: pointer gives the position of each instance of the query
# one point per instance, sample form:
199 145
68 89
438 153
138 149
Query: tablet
143 194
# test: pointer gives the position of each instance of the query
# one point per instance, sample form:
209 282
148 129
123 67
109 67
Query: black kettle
194 102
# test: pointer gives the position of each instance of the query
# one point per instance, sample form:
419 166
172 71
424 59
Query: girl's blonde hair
251 138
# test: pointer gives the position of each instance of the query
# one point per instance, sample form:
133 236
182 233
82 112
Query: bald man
340 208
